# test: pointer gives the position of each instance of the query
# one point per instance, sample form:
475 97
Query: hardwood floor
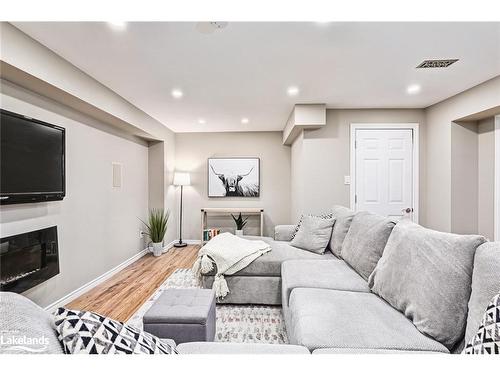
121 296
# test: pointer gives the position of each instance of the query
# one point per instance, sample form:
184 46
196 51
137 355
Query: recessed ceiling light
177 94
292 91
245 120
413 89
201 121
118 25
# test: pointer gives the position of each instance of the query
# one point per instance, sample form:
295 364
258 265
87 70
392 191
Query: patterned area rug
234 323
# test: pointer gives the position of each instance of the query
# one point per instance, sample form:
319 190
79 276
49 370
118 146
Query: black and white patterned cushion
487 338
297 227
90 333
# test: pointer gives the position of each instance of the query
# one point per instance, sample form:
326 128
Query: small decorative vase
238 232
157 248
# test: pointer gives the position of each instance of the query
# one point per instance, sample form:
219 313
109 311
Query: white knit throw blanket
230 254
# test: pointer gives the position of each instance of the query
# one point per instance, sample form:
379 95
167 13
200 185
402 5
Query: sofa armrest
284 232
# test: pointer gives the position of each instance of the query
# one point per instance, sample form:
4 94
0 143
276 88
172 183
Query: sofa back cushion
314 233
427 275
365 242
485 284
21 319
343 218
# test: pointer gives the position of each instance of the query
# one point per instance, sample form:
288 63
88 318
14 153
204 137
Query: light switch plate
117 175
347 180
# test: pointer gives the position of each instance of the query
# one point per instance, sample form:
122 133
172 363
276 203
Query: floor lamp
181 179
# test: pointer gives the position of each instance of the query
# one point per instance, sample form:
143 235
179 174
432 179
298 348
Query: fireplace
28 259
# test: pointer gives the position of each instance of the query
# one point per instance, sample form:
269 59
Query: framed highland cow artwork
233 177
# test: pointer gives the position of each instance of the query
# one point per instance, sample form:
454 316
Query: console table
244 211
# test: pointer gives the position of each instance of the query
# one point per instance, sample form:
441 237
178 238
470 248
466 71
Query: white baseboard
93 283
192 242
189 242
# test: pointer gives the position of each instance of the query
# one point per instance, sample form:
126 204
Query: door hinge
355 144
355 198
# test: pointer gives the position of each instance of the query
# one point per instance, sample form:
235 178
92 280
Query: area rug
234 323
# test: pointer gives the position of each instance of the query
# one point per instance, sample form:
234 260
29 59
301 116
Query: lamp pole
180 243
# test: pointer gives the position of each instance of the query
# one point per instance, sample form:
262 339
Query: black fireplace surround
28 259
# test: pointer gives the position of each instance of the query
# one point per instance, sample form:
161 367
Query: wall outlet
141 234
347 180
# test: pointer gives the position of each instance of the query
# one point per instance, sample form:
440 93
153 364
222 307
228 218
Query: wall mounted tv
31 160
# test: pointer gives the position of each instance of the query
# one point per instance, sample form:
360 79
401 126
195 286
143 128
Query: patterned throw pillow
487 338
297 227
84 332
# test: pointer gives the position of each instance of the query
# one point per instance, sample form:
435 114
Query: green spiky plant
239 221
157 224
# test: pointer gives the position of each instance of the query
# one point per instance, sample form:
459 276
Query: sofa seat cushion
368 351
427 275
321 274
238 348
322 318
269 264
485 284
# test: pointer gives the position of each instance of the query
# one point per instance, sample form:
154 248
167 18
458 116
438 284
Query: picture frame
233 177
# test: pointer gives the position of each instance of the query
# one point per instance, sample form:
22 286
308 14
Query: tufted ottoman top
190 306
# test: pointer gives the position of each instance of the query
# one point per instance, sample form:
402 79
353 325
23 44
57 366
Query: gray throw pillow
86 332
314 234
485 284
21 319
427 275
343 218
297 227
487 338
365 242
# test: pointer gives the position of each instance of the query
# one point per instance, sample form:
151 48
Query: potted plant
240 224
157 228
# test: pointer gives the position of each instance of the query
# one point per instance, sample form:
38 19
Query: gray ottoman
183 315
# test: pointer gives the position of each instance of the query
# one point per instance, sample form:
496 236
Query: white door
384 171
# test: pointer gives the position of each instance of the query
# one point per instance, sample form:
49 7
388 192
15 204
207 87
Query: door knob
408 210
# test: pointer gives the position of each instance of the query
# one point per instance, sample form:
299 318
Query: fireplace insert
28 259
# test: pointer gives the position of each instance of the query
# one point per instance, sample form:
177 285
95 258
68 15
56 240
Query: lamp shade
182 179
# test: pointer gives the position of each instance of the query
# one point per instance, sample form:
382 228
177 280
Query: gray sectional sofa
329 303
380 287
260 282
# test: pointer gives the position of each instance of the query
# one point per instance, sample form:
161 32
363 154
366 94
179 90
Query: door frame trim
416 159
496 193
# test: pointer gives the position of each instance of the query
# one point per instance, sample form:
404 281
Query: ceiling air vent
436 63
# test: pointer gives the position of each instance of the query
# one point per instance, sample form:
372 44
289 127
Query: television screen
31 160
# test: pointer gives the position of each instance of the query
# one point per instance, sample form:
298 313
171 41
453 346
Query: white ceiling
245 69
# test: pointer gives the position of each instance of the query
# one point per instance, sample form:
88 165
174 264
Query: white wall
320 158
98 226
439 120
192 152
50 72
464 178
486 177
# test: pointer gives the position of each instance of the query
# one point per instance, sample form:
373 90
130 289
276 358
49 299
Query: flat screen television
31 160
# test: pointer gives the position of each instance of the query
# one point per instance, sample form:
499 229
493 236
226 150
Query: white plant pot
238 232
157 248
